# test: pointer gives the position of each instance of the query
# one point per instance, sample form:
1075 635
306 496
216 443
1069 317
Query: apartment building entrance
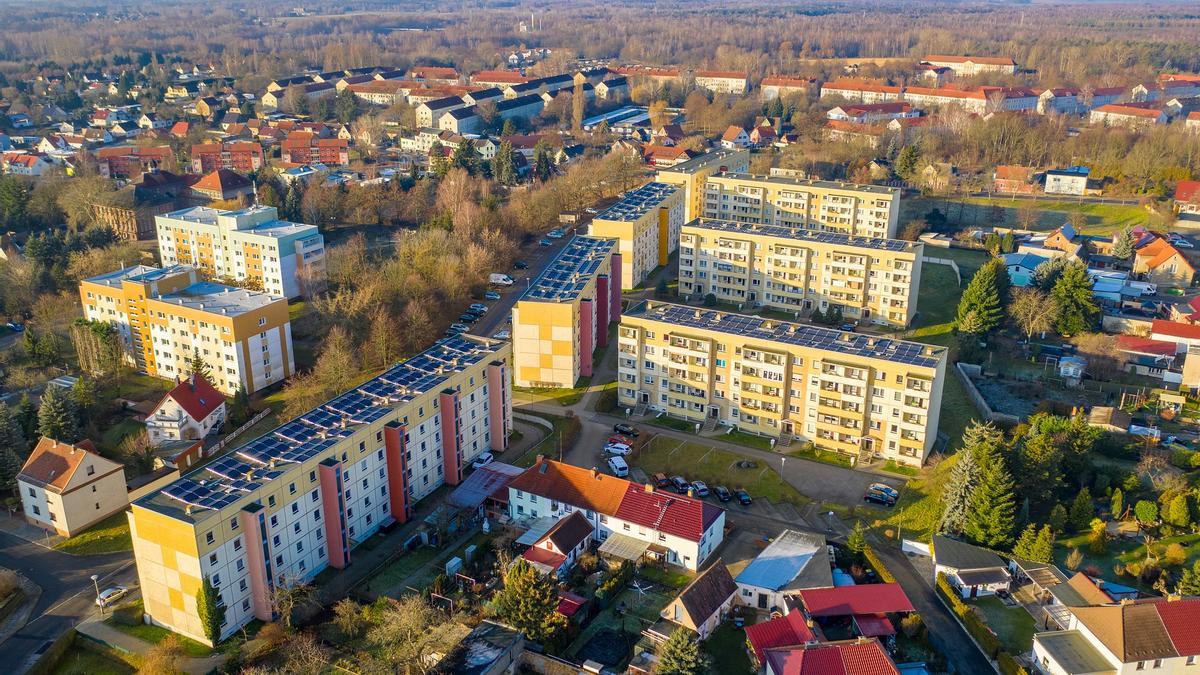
644 397
714 411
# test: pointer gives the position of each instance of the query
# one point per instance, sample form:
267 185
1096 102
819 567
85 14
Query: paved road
499 311
68 594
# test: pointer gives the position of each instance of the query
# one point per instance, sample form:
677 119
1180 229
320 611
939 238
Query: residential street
68 595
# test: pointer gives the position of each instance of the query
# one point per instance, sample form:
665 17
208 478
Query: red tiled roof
732 133
569 603
863 599
1181 618
785 81
1186 190
1130 109
221 181
52 463
545 557
1141 345
1009 172
839 658
784 631
1175 329
673 514
435 71
988 60
579 487
1194 115
196 396
506 76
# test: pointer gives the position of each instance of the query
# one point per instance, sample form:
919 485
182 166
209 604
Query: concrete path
94 627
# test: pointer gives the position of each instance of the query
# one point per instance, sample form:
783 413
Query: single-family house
557 550
868 607
67 487
735 137
971 570
703 603
1159 262
792 562
1022 267
790 630
1151 635
1014 180
1069 181
191 410
1187 196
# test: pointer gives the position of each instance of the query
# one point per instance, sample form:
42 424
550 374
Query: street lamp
96 583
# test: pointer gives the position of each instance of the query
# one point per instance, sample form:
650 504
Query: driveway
537 257
68 594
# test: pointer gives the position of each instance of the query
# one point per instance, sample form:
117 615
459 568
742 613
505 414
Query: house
1133 115
1153 634
862 91
181 129
152 122
722 82
1192 123
971 570
461 121
790 630
1069 181
305 147
791 562
127 161
665 156
1022 267
867 113
936 75
557 550
703 603
972 65
849 657
24 164
222 185
854 132
1183 335
866 606
489 649
434 74
613 89
243 156
478 96
190 411
631 520
735 137
979 100
1019 180
67 487
777 86
1187 196
429 112
1159 262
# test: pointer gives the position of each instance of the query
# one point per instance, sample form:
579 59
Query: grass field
920 506
1124 551
1052 213
564 396
726 647
81 661
1013 625
715 467
548 446
156 634
110 535
111 437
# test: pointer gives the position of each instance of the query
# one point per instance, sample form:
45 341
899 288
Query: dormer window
91 470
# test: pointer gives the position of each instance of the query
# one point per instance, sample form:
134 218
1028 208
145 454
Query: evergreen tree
680 655
1058 518
543 161
1178 512
26 419
906 162
528 602
983 298
1039 464
508 129
239 406
198 366
464 157
1081 510
346 106
504 164
10 467
1023 549
83 393
1189 582
978 437
1116 504
210 610
1043 546
12 436
992 510
1077 310
1123 246
57 417
857 540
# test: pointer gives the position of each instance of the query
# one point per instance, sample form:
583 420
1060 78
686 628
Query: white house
703 604
556 551
1154 635
971 570
67 487
630 519
735 137
1072 181
792 562
190 411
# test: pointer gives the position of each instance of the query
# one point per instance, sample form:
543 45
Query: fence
237 432
965 371
944 261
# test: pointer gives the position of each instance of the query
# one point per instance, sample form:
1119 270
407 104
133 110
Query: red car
623 440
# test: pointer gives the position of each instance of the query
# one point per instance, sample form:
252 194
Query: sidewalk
19 527
95 628
20 616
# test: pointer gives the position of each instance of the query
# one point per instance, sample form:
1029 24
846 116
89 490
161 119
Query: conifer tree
1023 549
1077 310
964 477
198 366
528 602
1043 546
1123 246
1081 510
57 417
680 655
982 298
991 513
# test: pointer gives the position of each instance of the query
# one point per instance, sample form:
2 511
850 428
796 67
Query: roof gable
960 555
53 465
195 395
708 593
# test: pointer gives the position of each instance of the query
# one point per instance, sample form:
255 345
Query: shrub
912 625
1175 555
612 586
1009 666
885 575
128 614
1150 572
976 626
1074 558
9 583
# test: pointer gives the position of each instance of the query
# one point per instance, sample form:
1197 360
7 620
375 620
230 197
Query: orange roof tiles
51 464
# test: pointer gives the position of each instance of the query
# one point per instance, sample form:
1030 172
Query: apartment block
281 508
692 174
249 245
646 221
564 315
973 65
861 395
166 316
243 156
848 208
795 270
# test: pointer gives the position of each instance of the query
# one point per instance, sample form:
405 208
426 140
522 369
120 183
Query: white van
500 279
618 466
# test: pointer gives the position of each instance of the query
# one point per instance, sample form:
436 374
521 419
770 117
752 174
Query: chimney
649 487
691 492
595 473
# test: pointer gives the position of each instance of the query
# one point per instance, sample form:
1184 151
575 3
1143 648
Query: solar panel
800 234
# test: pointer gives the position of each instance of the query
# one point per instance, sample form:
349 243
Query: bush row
975 626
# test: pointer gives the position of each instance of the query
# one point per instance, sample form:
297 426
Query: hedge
881 570
977 627
1009 665
611 587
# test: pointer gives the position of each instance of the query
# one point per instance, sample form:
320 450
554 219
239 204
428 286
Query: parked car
503 335
468 317
110 595
661 480
627 429
500 279
847 327
699 488
545 242
743 497
556 233
478 308
520 265
680 484
483 460
886 489
491 295
15 327
618 466
723 493
460 327
881 498
617 449
618 438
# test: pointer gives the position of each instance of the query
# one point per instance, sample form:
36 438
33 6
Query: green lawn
1124 551
696 461
818 455
1013 625
82 661
672 423
747 439
111 438
562 395
110 535
156 634
920 506
548 445
133 386
1053 213
727 649
402 569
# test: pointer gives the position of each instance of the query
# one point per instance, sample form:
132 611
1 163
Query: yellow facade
545 339
120 298
798 271
690 176
856 210
646 221
855 394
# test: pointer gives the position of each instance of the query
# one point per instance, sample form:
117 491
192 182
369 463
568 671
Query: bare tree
290 594
1033 310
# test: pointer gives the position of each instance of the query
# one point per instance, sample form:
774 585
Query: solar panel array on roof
801 235
232 477
828 339
568 274
635 203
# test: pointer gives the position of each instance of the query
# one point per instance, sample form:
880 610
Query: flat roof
635 203
205 215
273 455
792 557
218 298
805 182
801 235
785 332
1072 651
139 274
703 161
567 275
